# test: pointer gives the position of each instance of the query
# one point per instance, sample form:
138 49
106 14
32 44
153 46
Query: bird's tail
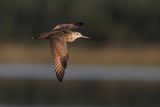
35 37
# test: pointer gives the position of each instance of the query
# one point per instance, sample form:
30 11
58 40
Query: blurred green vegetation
102 93
114 22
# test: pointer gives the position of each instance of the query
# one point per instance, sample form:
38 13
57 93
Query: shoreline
148 56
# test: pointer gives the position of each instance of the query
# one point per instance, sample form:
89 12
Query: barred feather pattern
59 56
60 64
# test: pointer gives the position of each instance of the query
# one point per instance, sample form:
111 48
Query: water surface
75 72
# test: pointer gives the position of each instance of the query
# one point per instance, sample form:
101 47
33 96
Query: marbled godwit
58 37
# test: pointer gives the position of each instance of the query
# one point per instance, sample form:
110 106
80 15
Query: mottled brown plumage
58 38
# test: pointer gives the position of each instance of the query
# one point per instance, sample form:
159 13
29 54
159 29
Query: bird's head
79 35
74 36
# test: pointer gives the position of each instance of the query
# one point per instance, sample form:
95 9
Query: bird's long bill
86 37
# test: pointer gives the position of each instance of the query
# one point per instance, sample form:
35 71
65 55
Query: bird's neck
71 38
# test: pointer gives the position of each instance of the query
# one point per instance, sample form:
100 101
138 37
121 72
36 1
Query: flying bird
58 38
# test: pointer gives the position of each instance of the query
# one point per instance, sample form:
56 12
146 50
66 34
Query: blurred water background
118 67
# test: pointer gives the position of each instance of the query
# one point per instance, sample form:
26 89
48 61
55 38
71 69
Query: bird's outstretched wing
70 26
49 35
60 56
43 35
58 30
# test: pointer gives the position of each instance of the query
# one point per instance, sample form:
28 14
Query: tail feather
35 37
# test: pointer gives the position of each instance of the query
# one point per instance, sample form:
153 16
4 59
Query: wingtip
60 79
79 24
